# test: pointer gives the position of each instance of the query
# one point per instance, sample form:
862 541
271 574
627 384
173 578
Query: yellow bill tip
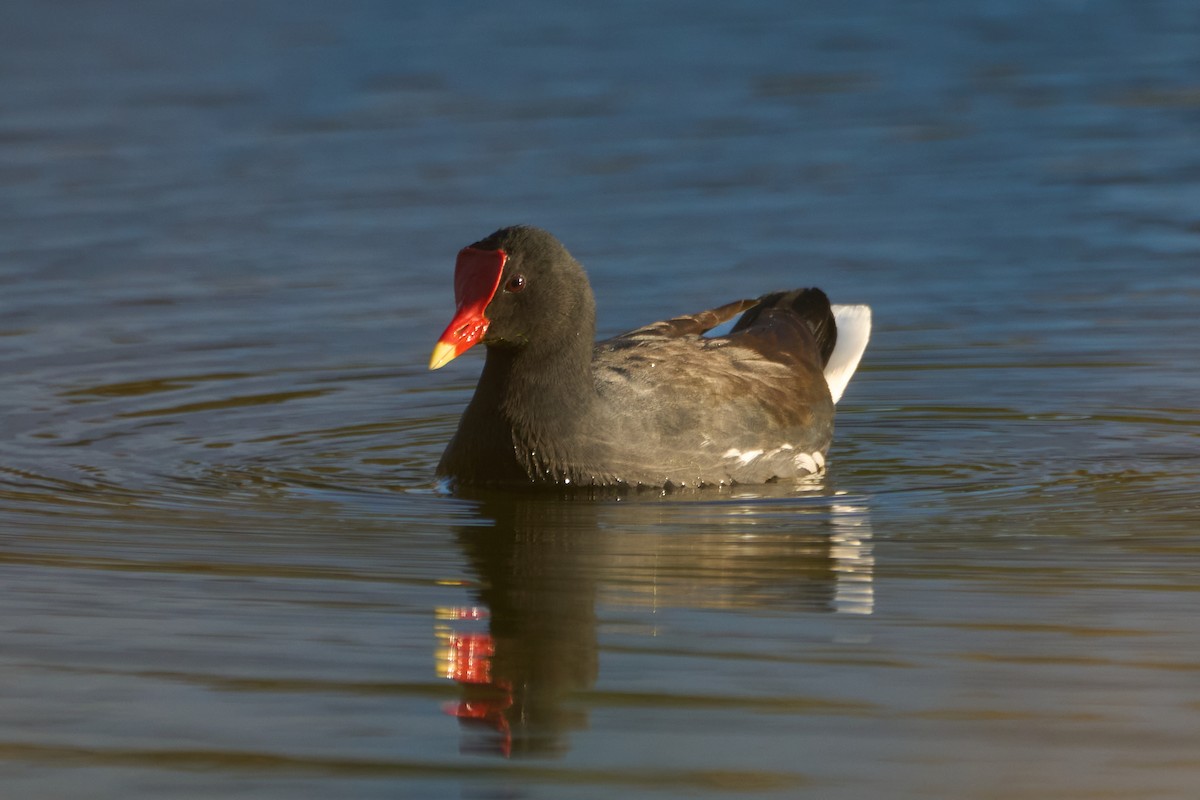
443 354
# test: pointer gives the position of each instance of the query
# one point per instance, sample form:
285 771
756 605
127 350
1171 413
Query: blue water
227 235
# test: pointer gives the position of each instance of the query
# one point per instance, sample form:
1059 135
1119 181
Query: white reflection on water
853 559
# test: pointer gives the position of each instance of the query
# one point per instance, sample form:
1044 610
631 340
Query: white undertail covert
853 332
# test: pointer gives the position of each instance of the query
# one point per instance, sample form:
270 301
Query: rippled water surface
226 241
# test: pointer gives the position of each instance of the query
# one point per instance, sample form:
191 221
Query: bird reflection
536 567
527 651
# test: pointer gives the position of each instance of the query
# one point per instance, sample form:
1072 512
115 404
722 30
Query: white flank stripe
805 461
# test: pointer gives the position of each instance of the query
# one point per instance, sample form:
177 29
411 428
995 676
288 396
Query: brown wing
747 406
686 325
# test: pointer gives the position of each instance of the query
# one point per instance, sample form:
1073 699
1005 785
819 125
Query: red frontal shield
476 278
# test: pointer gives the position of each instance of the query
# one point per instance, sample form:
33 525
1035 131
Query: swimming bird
664 405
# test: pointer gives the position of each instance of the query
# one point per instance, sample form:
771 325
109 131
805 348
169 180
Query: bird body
663 405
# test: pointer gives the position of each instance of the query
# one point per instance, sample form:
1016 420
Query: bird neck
545 385
543 396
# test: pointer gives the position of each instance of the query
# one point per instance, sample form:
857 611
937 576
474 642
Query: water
226 251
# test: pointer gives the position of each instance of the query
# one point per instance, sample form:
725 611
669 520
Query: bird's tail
853 332
841 332
810 305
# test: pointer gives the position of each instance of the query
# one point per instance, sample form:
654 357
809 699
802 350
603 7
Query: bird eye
515 284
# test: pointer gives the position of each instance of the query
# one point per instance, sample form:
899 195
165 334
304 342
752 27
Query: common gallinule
662 405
